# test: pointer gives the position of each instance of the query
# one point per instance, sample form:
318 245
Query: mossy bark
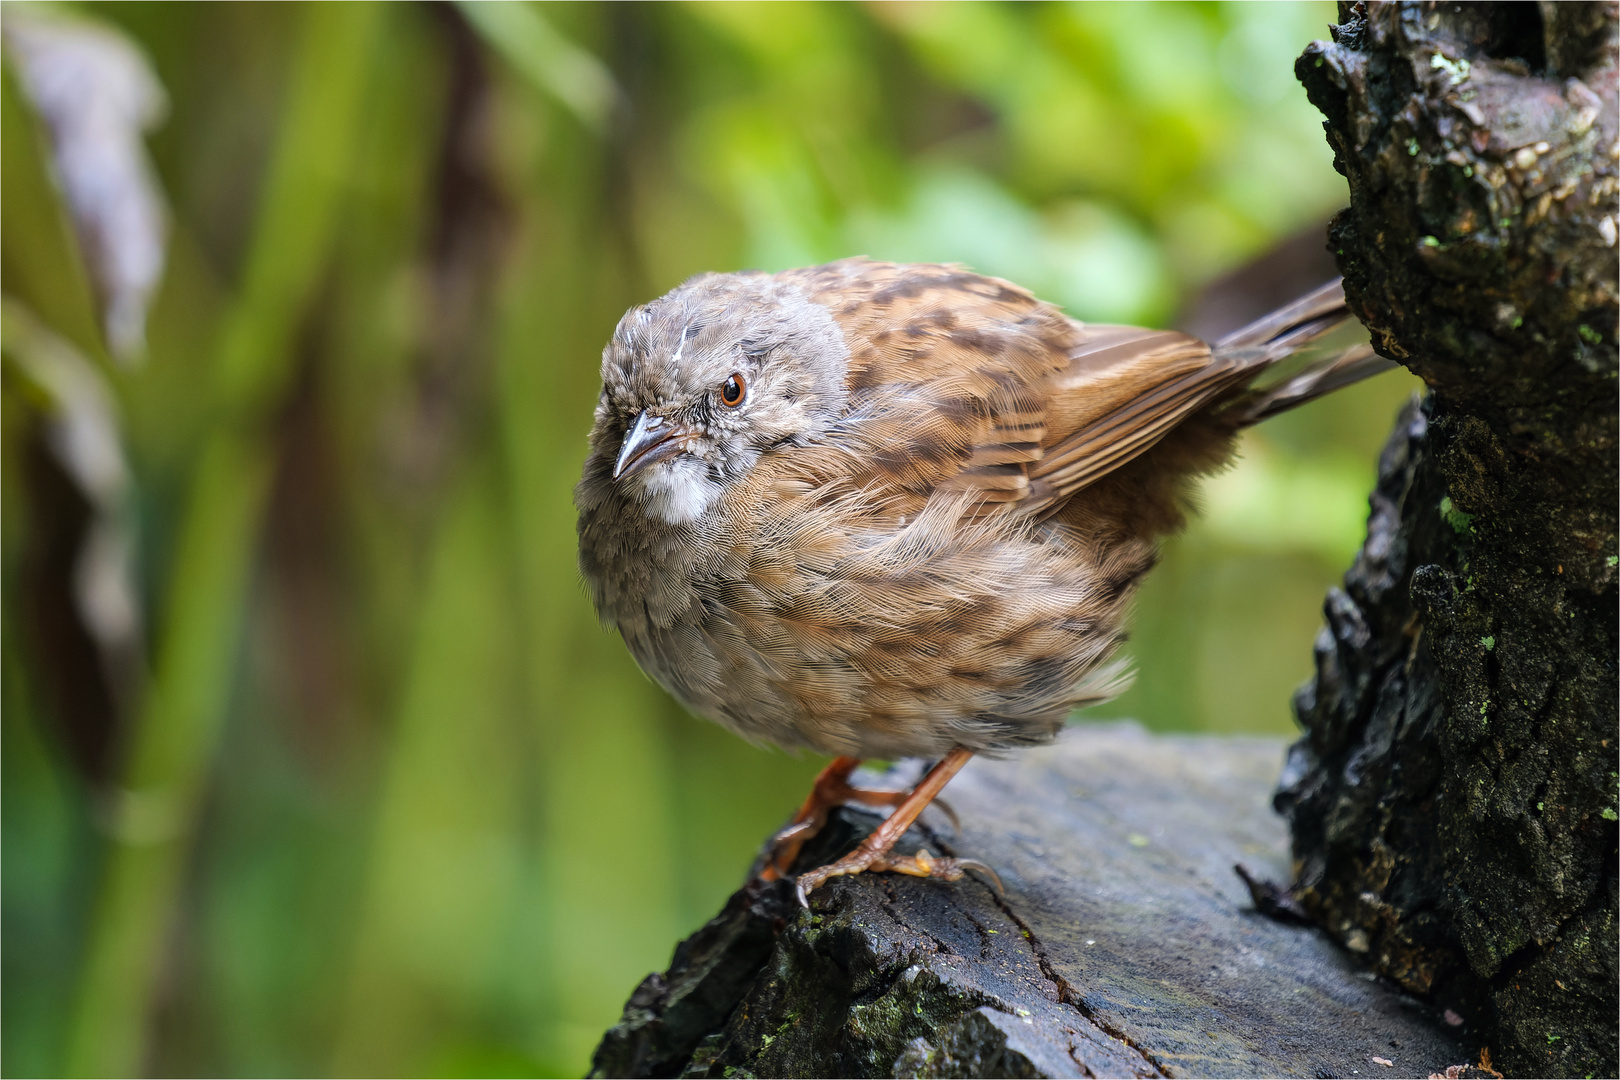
1453 803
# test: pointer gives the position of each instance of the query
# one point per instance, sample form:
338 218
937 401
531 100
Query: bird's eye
733 391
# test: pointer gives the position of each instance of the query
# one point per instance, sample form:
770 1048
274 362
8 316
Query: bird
886 510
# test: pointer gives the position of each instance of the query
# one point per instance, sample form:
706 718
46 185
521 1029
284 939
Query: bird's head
699 383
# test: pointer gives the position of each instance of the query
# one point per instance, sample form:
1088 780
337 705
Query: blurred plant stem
608 834
178 725
549 61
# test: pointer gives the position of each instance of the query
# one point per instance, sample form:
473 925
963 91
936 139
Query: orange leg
831 789
874 852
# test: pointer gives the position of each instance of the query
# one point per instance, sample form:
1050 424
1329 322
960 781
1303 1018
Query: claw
800 831
924 864
869 797
956 822
782 848
987 870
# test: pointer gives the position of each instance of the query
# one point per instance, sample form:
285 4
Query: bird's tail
1286 332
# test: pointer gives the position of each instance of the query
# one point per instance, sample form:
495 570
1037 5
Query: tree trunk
1453 802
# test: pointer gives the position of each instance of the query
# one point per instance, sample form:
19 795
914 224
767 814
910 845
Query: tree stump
1453 803
1125 944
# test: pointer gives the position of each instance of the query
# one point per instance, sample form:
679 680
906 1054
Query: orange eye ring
733 390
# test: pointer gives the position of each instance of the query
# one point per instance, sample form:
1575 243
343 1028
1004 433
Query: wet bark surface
1125 944
1453 803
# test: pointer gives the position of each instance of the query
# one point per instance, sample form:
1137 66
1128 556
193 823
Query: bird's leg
874 852
831 788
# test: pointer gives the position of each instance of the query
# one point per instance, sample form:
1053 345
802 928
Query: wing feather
968 384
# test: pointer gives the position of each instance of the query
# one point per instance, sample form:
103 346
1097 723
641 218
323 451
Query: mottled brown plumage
920 526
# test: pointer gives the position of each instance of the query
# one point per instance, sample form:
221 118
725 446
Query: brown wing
963 382
947 375
1131 387
1124 390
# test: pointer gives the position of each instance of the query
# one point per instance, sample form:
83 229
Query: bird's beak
651 439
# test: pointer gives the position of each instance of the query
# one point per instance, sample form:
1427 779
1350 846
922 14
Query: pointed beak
650 439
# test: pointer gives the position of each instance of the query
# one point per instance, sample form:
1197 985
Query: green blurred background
355 783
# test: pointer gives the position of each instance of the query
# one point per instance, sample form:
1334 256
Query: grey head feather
672 356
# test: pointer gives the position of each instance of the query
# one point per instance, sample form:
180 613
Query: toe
856 862
924 864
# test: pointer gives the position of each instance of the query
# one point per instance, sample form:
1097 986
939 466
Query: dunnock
882 510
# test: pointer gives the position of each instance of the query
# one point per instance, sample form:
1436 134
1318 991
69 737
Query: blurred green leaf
554 65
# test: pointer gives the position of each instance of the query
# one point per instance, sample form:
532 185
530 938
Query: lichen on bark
1453 801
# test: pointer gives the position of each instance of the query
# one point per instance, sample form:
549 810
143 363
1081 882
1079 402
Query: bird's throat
677 491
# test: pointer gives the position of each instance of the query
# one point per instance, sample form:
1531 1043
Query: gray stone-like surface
1125 945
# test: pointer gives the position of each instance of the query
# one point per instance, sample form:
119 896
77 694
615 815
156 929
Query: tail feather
1173 377
1291 327
1282 333
1323 377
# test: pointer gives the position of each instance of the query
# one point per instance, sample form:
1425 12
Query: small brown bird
884 510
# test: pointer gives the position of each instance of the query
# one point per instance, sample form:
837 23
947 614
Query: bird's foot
782 849
832 789
876 851
921 864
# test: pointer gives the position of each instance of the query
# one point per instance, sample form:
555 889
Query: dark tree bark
1124 946
1453 802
